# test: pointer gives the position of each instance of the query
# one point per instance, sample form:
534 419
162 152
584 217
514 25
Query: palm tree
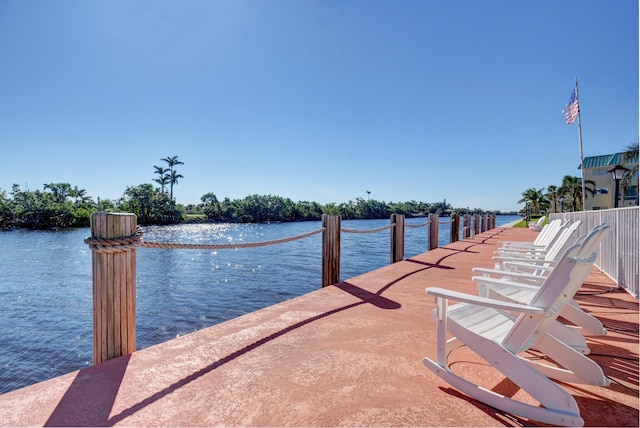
562 196
163 178
631 152
572 187
60 191
535 199
173 179
630 155
173 176
80 197
552 196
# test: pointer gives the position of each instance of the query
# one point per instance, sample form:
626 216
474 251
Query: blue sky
314 100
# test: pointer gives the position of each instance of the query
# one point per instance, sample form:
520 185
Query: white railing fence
619 255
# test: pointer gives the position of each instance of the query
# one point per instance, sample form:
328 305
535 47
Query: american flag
572 108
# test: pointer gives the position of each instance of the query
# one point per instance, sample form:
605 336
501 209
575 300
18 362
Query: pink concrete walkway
346 355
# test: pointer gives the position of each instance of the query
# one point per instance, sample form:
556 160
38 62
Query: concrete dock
345 355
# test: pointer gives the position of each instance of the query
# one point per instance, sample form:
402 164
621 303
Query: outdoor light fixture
617 172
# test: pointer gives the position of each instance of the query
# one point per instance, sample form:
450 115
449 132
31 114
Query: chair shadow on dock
504 419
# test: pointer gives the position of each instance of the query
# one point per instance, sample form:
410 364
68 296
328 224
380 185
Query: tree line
59 205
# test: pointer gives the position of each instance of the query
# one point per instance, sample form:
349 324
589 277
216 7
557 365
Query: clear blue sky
314 100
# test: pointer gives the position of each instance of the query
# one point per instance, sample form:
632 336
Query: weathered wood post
113 241
330 249
485 222
455 227
397 238
493 221
466 226
433 231
477 229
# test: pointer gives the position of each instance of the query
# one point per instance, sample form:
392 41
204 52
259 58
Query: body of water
46 286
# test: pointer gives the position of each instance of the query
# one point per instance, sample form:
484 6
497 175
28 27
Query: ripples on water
46 293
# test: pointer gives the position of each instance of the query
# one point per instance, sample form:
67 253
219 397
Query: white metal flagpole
584 199
571 111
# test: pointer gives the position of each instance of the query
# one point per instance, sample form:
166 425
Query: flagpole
584 199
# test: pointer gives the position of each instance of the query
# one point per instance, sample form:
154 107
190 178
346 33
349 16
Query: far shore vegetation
61 205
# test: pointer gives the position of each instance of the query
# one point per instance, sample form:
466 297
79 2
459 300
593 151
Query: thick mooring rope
169 245
368 231
115 245
417 225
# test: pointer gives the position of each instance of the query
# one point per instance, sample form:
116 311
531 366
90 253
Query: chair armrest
522 258
523 245
443 293
520 251
548 265
500 281
511 274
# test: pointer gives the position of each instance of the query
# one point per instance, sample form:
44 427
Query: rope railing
380 229
115 237
415 226
102 245
115 245
170 245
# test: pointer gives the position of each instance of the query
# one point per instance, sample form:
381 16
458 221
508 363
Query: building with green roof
596 169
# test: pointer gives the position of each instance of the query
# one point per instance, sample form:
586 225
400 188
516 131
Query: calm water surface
46 286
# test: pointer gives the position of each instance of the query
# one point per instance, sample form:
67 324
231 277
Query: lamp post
617 172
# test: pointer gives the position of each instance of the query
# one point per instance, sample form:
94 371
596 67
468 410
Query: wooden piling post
466 226
330 249
455 227
397 238
477 224
113 246
433 231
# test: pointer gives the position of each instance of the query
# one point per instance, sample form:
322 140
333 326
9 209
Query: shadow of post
89 399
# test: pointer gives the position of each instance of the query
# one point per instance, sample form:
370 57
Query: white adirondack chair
534 269
548 232
537 225
521 281
488 327
565 238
